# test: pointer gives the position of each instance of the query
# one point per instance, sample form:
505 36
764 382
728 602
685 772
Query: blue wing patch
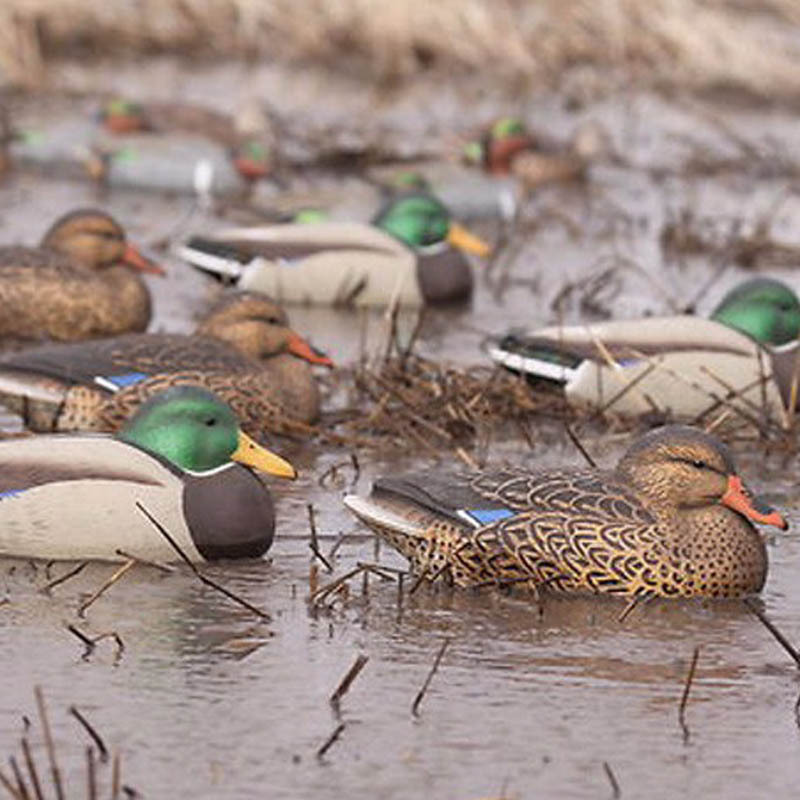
485 516
11 493
116 382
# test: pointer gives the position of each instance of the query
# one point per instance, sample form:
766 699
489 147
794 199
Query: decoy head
420 220
763 308
257 327
124 116
680 467
495 150
252 159
92 239
196 431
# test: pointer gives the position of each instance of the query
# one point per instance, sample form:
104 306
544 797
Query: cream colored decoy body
632 367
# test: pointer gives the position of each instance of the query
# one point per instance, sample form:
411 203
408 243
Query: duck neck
130 297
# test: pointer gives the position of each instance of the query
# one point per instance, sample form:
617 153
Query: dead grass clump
413 402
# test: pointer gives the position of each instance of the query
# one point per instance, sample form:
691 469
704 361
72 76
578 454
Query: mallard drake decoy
409 253
672 519
683 366
180 456
81 282
507 148
251 154
244 351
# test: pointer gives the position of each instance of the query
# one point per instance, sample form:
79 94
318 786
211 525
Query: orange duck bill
133 258
738 497
299 347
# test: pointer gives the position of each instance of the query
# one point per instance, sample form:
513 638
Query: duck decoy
250 152
508 148
180 457
243 350
681 366
81 282
412 253
672 519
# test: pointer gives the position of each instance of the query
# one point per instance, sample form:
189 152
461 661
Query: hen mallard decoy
508 148
81 282
673 519
180 456
411 252
682 366
244 351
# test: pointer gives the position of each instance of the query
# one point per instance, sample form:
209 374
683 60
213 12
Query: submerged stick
573 437
685 696
48 742
770 626
88 643
424 689
347 680
103 750
131 562
63 578
615 790
213 584
32 771
330 740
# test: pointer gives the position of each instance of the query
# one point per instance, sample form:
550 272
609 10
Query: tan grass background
743 44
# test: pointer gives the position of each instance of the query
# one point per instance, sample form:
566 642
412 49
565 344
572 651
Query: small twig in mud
685 696
382 572
632 604
107 585
88 643
207 581
314 543
336 545
10 788
92 732
313 578
63 578
146 562
330 740
116 772
615 790
779 637
573 437
91 775
48 742
347 680
33 773
424 689
797 711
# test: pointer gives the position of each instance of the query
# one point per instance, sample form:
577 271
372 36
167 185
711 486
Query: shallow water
206 700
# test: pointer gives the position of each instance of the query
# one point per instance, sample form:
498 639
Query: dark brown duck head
92 239
678 469
257 327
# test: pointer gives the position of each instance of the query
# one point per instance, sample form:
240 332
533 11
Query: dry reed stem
685 696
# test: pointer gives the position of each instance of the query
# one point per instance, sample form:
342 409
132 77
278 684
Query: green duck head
420 220
505 138
763 308
197 432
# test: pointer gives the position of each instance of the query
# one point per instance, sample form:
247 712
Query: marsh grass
703 44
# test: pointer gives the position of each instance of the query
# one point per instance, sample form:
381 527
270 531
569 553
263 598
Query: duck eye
211 421
699 464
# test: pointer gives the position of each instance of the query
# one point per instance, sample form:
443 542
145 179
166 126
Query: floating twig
330 740
615 790
770 626
347 680
685 696
424 689
88 643
145 561
63 578
131 562
103 750
207 581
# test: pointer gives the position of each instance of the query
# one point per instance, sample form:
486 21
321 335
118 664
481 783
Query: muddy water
206 700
